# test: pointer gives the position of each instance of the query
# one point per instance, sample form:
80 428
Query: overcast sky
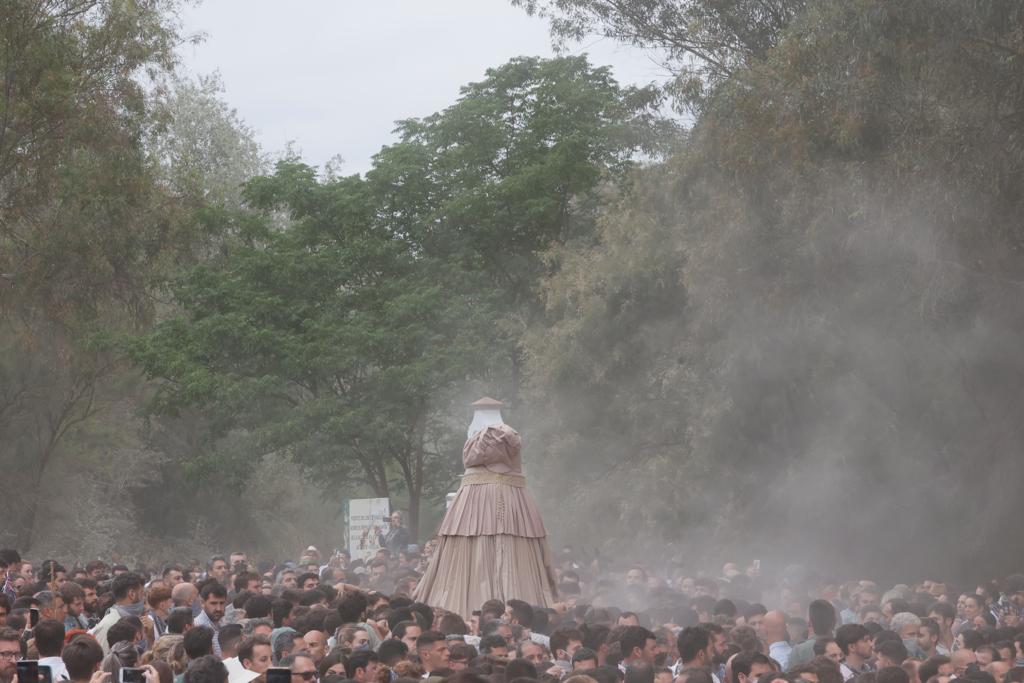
332 76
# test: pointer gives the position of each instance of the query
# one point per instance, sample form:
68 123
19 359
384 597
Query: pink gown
492 542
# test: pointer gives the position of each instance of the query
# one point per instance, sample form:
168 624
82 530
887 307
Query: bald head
773 627
183 595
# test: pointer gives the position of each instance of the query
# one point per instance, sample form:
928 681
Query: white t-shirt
58 672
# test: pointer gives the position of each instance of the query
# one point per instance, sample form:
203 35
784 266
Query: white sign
364 518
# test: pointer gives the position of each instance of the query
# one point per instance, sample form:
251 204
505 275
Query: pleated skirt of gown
492 545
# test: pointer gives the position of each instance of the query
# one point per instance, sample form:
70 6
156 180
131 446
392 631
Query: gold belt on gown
493 478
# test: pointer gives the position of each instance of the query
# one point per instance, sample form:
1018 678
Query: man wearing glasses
302 666
10 653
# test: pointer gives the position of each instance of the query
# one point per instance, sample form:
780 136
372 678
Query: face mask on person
135 609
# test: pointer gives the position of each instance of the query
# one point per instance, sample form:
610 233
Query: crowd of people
338 620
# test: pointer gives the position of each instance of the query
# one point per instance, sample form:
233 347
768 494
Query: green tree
703 42
331 340
516 167
355 311
828 360
81 216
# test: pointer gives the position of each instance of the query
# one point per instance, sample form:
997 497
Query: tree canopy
352 311
826 359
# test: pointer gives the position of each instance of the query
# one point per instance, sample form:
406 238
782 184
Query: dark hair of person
399 630
820 645
245 650
311 597
241 598
487 644
423 611
9 633
157 595
122 630
897 605
634 637
864 611
560 637
453 624
459 651
595 636
215 589
584 654
1005 633
228 635
392 651
541 621
930 667
1015 675
745 661
605 674
17 619
335 656
198 642
122 583
359 660
280 610
206 669
242 580
289 660
71 591
892 674
943 609
428 638
932 626
302 578
973 638
164 672
257 607
691 642
848 634
724 607
179 619
80 657
351 607
49 635
895 650
826 670
493 607
521 611
520 668
466 676
754 609
822 617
